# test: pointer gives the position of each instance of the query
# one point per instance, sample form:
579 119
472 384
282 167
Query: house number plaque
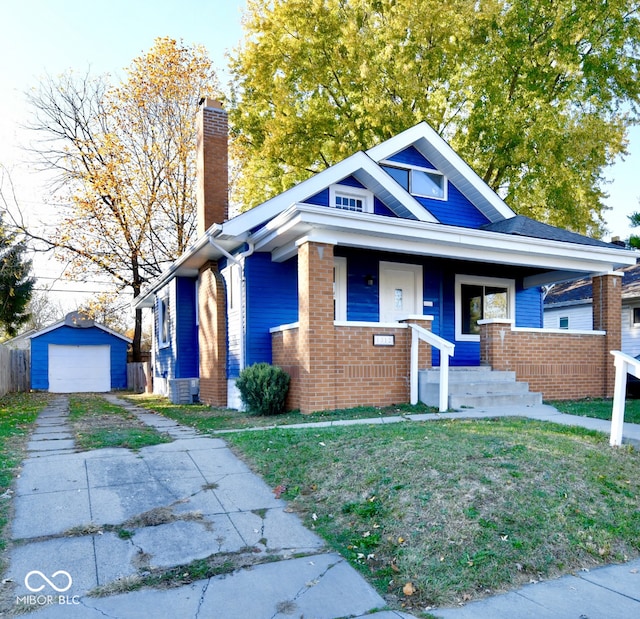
384 340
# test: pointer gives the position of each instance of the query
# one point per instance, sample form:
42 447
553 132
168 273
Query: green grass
18 412
599 408
207 419
98 424
457 508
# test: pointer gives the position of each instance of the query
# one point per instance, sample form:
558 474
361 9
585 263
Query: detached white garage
77 355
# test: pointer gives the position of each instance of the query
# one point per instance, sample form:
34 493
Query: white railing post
625 364
444 382
415 343
617 415
446 350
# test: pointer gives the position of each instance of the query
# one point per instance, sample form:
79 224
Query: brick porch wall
363 374
212 334
561 366
284 352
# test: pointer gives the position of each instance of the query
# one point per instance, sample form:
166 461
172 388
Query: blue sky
51 36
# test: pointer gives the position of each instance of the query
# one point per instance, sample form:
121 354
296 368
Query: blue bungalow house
397 256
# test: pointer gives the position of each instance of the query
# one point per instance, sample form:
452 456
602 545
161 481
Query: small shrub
263 388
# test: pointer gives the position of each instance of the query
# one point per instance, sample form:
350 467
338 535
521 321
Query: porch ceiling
556 260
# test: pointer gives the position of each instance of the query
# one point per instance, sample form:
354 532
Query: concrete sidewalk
96 519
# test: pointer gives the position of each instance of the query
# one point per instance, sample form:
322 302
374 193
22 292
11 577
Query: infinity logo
51 584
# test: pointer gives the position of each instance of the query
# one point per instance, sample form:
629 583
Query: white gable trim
62 323
427 141
360 166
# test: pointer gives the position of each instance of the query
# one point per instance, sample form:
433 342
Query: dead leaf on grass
279 490
408 589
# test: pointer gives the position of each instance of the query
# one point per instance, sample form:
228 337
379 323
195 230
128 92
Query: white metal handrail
625 364
446 349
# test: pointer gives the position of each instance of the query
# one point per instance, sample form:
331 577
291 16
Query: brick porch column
316 336
212 334
607 316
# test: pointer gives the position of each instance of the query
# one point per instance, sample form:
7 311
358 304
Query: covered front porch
338 362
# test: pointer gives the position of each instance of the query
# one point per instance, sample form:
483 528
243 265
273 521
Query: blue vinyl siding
186 330
456 210
71 336
529 307
362 300
271 300
320 199
412 156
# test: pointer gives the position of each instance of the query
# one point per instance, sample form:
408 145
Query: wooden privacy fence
139 377
14 370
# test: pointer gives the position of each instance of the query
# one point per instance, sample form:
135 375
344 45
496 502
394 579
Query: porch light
368 280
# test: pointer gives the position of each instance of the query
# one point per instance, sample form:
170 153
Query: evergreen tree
16 284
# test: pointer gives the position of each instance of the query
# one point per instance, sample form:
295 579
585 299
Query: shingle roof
581 289
524 226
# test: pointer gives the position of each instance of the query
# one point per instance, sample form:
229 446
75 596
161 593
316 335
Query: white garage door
75 369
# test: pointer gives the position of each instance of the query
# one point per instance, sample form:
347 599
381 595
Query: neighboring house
78 355
569 305
325 278
20 342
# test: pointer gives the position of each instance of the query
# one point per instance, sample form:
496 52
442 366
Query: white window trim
352 192
407 166
164 314
560 319
340 287
634 325
472 280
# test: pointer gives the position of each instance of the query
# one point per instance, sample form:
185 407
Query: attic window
428 184
419 181
352 199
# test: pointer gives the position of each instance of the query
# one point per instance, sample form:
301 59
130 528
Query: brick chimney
212 165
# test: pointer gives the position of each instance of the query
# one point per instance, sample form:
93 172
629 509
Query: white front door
400 291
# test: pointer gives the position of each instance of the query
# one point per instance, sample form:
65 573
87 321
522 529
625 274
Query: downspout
239 260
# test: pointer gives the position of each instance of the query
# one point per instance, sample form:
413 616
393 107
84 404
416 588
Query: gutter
239 261
170 273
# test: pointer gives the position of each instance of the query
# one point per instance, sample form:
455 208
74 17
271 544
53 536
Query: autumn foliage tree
536 96
124 158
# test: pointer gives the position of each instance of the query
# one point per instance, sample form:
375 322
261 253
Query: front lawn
599 408
18 412
448 511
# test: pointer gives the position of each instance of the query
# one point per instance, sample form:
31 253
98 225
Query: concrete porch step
475 387
475 374
494 399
